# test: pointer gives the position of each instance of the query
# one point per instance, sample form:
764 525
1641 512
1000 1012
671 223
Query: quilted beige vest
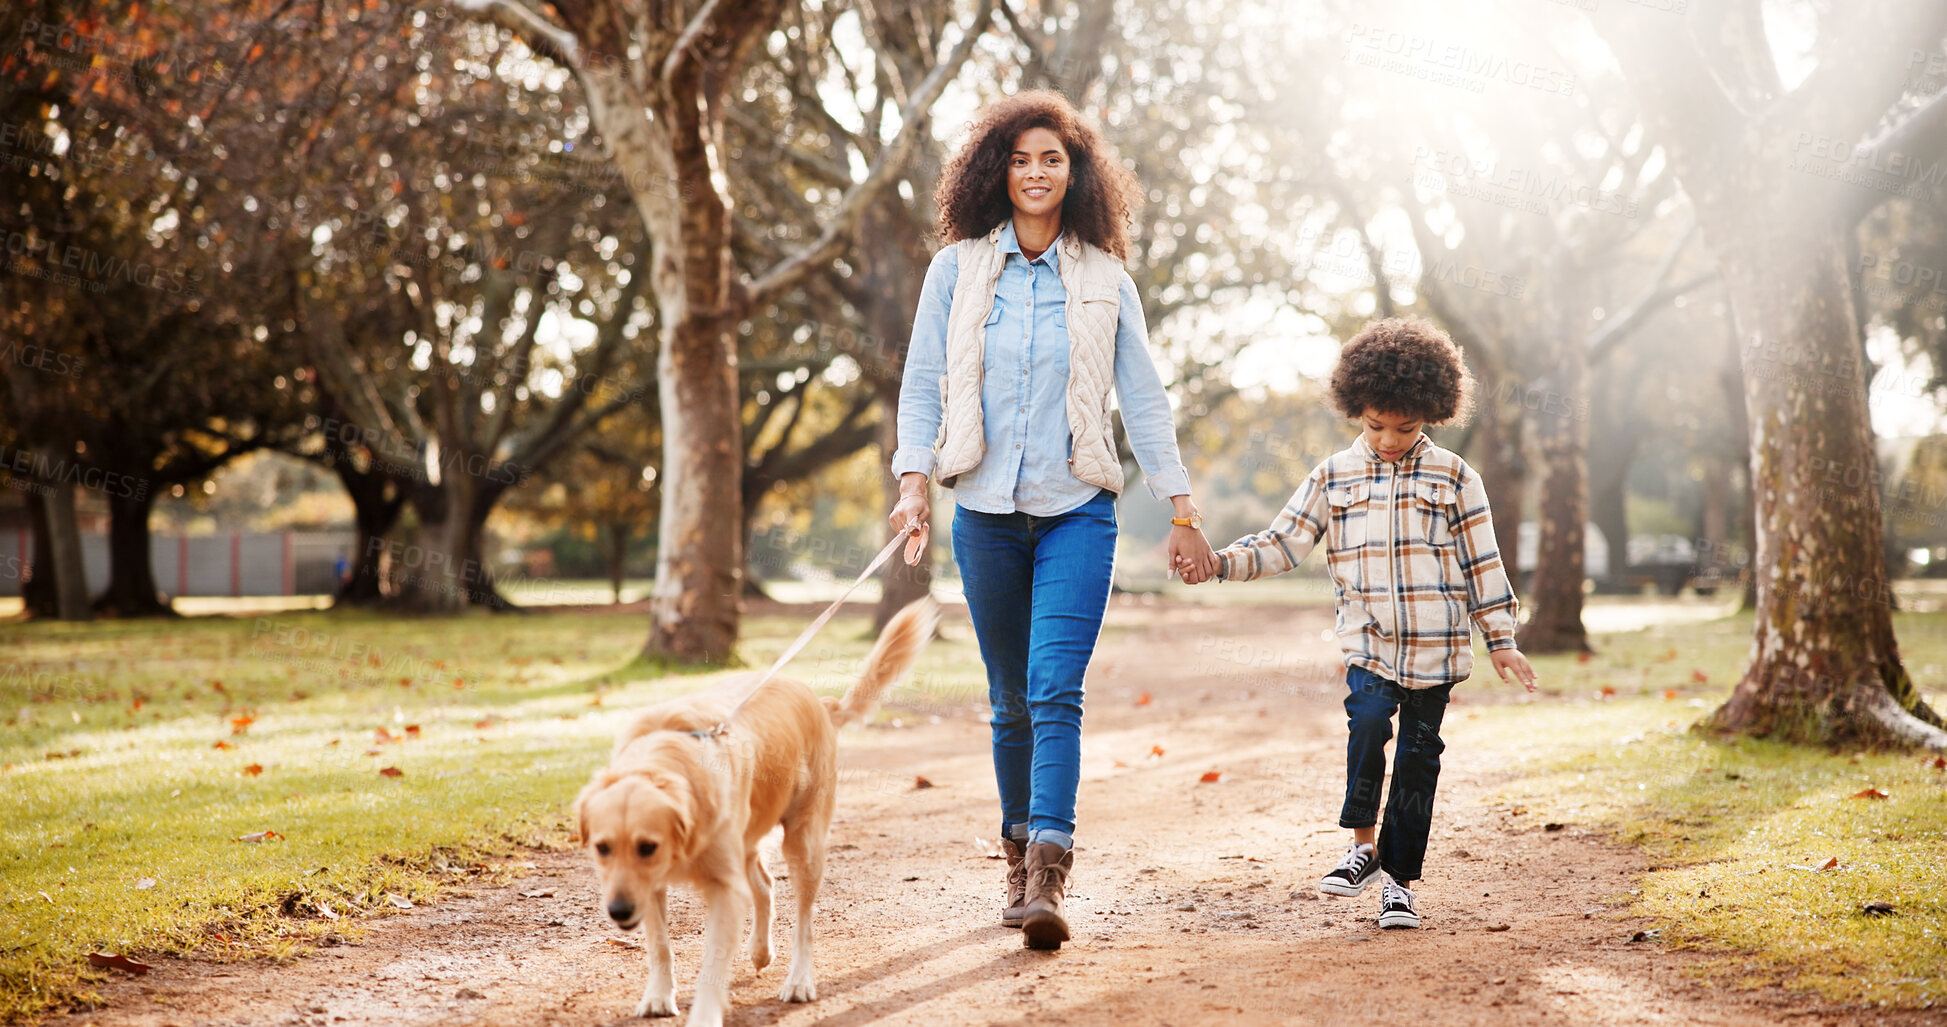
1093 281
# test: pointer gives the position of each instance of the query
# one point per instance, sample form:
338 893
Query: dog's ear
601 780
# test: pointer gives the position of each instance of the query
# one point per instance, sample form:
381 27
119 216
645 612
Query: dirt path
1192 901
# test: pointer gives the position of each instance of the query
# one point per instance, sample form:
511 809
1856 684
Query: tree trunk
64 552
1562 436
696 605
376 503
437 563
132 590
1503 471
38 594
1609 509
1826 666
893 272
617 533
901 584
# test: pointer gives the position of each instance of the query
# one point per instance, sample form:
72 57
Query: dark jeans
1037 588
1369 706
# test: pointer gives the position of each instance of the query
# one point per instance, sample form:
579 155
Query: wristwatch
1195 520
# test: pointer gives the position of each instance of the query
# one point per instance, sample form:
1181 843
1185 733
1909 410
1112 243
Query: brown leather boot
1017 883
1048 869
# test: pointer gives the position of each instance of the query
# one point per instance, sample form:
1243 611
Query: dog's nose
621 910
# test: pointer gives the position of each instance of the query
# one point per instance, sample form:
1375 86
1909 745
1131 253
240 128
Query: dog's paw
657 1005
796 990
760 953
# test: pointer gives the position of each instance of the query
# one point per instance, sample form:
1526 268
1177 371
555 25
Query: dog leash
805 638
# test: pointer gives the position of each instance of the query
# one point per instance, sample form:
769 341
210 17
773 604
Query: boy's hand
1510 661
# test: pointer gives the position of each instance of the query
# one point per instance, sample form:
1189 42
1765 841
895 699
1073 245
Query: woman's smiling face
1037 173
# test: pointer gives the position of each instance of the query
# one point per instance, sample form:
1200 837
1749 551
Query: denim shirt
1024 390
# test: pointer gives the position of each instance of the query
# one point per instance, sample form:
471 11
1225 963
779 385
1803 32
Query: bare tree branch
852 207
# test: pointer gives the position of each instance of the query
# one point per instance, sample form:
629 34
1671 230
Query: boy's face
1390 435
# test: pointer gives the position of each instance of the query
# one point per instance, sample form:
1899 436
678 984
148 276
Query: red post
236 563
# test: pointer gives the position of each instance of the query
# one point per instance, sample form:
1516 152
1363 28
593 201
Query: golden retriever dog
678 805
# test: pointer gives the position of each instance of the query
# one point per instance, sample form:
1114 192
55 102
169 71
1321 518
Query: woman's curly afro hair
972 195
1405 366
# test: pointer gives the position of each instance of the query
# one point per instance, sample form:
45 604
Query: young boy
1411 551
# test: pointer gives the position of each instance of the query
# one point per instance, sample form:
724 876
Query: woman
1023 324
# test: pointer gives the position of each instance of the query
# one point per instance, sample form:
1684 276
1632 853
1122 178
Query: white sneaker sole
1397 919
1332 887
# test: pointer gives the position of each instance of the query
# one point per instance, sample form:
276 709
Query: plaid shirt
1411 551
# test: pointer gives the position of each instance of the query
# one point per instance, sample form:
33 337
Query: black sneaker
1396 906
1354 872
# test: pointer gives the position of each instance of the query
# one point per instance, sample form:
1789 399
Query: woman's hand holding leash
913 513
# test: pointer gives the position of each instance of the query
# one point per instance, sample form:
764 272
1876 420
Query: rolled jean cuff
1050 835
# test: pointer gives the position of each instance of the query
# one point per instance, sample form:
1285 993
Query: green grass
143 792
100 792
1727 825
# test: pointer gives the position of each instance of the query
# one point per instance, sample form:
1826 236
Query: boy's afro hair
1405 366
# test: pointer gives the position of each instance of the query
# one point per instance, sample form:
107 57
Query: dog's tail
891 657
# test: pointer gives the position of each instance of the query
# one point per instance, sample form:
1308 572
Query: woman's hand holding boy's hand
1510 661
1191 556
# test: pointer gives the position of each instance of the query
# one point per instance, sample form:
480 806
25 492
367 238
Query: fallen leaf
1143 699
623 943
921 782
260 836
254 769
136 705
238 725
221 744
412 731
384 736
482 725
1584 657
1156 751
374 752
1830 864
1607 692
1668 655
392 772
1211 777
145 884
115 962
398 900
1669 693
1939 763
1119 763
1870 793
1699 676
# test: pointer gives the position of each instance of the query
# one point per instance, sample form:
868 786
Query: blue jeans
1037 588
1369 706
